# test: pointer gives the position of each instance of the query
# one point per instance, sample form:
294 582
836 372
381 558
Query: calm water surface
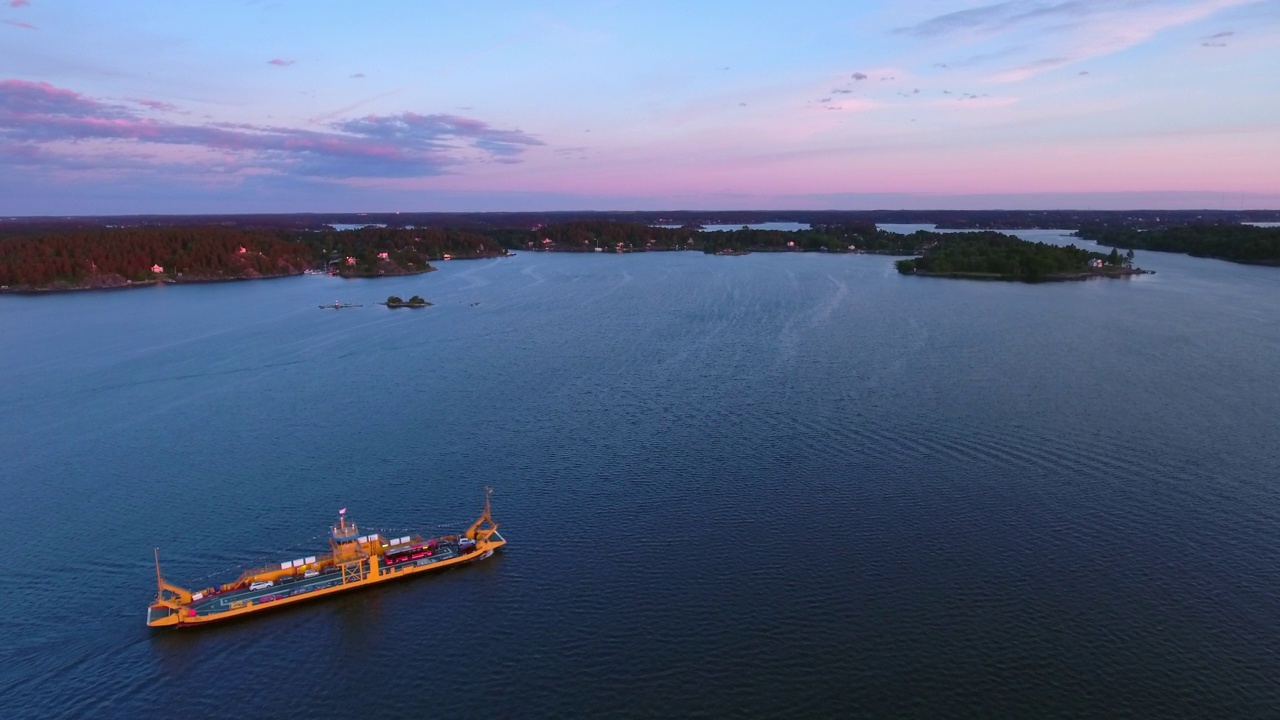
760 486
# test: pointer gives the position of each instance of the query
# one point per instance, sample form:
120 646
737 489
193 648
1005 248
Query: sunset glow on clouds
280 107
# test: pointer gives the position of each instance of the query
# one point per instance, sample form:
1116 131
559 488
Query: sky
238 106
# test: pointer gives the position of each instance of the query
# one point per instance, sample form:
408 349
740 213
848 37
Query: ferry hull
160 616
356 562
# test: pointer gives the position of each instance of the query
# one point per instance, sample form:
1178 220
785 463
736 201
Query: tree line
406 249
1237 243
109 256
118 255
999 255
105 256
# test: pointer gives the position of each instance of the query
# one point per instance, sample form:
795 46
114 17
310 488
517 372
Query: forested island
119 257
838 238
70 254
1238 243
625 237
416 301
111 257
996 256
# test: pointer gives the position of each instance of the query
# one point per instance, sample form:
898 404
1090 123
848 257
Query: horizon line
638 212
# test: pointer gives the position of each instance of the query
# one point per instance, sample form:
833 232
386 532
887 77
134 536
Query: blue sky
129 107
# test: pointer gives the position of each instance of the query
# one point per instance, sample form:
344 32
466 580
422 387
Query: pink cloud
37 114
22 98
19 23
19 3
280 63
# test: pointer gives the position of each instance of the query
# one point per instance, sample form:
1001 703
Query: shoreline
374 276
135 284
1056 277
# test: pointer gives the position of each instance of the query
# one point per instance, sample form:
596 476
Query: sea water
757 486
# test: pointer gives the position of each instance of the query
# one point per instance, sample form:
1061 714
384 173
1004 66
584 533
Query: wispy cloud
1216 39
154 104
1067 31
859 76
573 153
985 57
963 19
357 75
1032 68
19 23
350 107
280 63
38 117
1014 13
19 3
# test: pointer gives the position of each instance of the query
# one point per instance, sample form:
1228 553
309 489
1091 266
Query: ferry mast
349 554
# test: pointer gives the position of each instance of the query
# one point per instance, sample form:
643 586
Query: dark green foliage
115 255
992 254
1238 243
414 302
587 235
610 236
88 257
825 238
407 249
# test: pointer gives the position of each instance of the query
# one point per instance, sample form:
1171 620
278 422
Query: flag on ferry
343 511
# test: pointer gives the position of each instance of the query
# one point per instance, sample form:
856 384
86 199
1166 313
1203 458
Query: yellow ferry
354 561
